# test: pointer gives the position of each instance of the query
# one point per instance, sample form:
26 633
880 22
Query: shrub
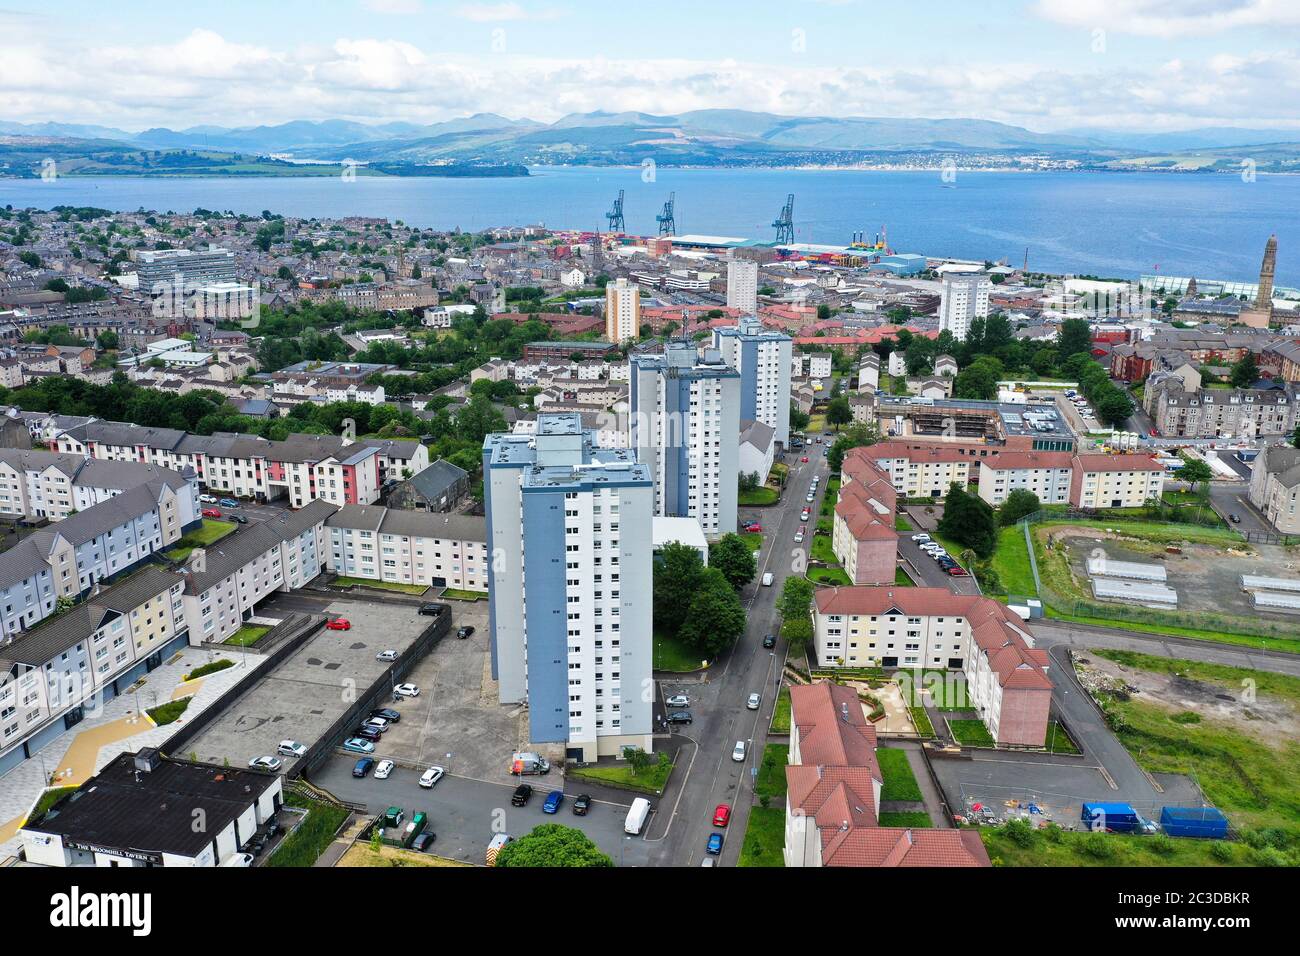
1098 846
1186 717
1271 856
1053 833
1161 844
1020 833
1221 852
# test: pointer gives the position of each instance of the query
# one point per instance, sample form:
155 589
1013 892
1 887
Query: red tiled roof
1116 463
1008 460
833 731
891 846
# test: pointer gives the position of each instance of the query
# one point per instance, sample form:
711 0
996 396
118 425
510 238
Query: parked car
432 609
581 804
376 722
805 514
211 513
753 527
362 766
383 769
240 518
721 815
390 715
714 846
358 746
921 538
386 655
431 776
208 499
368 733
1234 518
769 640
291 748
464 632
677 700
339 624
423 841
679 717
754 701
738 752
406 690
810 497
804 459
266 763
553 801
957 571
798 537
521 795
228 503
768 578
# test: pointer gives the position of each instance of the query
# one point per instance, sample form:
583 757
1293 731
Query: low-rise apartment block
922 471
1115 481
409 547
43 484
1046 473
862 531
1275 487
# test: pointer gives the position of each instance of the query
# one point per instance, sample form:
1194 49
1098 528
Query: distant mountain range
699 137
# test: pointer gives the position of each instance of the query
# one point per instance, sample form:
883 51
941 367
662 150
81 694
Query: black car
432 610
769 640
240 518
679 717
464 632
581 805
1234 518
388 714
425 840
367 733
521 795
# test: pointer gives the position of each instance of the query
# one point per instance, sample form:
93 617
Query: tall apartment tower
179 271
742 285
965 298
684 424
569 586
622 311
763 359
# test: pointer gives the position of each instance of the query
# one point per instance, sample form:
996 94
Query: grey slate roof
437 478
412 524
232 553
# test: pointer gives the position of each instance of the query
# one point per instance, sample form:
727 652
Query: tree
794 605
1245 372
715 617
107 339
677 573
747 481
799 419
839 412
857 435
1075 337
968 519
1113 406
1295 437
731 555
1020 503
1194 471
978 380
552 845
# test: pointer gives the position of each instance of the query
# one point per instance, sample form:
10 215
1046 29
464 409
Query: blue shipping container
1204 822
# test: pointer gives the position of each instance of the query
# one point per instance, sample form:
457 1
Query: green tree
552 845
1018 504
107 339
968 520
1113 406
1195 472
799 419
857 435
731 555
1245 371
677 574
1074 337
794 605
978 380
715 617
839 412
1295 437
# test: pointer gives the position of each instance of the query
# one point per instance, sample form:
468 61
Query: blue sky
1045 64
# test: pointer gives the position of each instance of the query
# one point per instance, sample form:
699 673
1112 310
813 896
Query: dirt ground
1270 719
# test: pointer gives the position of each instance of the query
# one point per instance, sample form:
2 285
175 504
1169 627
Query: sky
1047 65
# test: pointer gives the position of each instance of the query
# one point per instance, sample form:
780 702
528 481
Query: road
710 776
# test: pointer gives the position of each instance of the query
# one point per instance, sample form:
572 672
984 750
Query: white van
767 579
636 816
239 859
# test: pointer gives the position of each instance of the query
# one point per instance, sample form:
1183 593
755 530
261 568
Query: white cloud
502 12
1170 18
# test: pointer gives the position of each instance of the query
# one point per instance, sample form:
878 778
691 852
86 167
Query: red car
957 571
753 526
211 513
339 624
721 815
804 459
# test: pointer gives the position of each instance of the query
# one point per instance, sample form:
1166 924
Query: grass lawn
1011 562
900 782
1056 847
781 712
822 549
1058 741
754 539
210 533
763 495
946 689
652 779
921 721
764 838
902 579
246 635
456 594
302 847
380 585
364 855
1291 646
771 772
912 819
832 496
970 733
168 712
901 524
830 577
1245 775
674 655
203 670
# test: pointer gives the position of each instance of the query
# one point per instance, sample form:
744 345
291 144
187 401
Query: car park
383 769
680 717
339 624
677 700
753 702
738 752
229 503
714 846
388 655
520 797
390 715
581 804
266 763
721 815
363 766
406 690
291 748
769 640
464 632
553 801
358 746
431 776
211 513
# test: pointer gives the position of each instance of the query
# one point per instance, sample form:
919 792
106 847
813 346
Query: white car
810 496
386 656
375 723
291 748
383 769
406 690
265 763
431 776
678 700
738 754
798 537
208 499
921 538
753 702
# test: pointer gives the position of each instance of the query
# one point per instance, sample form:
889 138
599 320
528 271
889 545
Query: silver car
754 701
